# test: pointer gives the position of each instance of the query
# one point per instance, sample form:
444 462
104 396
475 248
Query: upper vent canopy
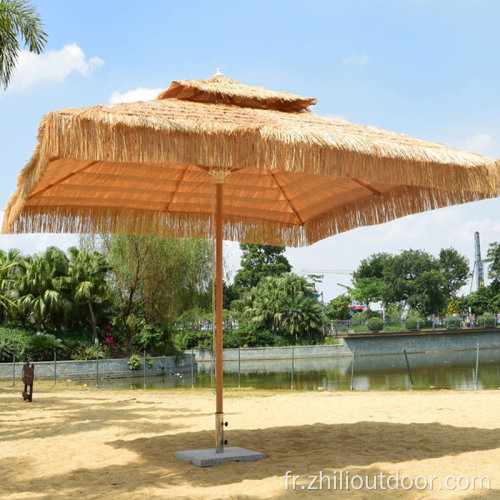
222 90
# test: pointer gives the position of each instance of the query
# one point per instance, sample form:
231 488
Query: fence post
192 368
293 362
352 367
97 362
55 367
239 369
408 366
144 370
477 364
13 370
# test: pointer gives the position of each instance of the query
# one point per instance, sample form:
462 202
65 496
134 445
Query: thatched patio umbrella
288 177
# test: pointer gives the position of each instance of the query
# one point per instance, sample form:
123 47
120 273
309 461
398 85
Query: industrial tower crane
478 269
327 271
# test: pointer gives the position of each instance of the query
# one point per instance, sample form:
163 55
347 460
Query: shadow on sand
327 447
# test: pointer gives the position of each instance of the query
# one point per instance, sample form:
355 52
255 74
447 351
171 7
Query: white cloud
54 65
488 225
140 94
478 142
355 60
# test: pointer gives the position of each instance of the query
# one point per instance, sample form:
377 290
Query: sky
426 68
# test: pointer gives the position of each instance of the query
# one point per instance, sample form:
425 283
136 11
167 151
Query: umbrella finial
219 73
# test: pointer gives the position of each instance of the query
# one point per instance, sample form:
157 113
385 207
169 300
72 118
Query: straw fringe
171 131
406 201
95 134
393 205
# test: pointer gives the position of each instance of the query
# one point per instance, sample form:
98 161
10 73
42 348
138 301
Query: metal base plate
209 457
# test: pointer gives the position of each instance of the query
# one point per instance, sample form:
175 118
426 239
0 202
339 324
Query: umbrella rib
286 198
176 189
367 186
62 179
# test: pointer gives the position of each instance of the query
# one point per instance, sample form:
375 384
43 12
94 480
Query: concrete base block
209 457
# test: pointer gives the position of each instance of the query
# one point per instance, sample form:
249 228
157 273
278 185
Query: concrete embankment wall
275 353
422 342
366 345
108 368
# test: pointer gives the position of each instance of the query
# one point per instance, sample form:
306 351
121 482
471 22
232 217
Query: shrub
135 362
186 339
365 315
149 361
42 347
452 322
375 324
88 352
487 321
111 346
153 337
331 341
414 323
17 338
70 347
6 350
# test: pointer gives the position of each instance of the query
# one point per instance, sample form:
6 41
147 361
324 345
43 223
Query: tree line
123 291
415 281
132 293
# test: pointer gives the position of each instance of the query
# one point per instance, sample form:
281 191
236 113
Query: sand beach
79 442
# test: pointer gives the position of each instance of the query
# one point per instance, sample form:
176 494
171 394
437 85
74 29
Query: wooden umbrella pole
219 411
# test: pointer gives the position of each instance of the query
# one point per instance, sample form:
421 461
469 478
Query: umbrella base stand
210 457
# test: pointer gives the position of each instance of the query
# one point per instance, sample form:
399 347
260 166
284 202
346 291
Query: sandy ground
87 443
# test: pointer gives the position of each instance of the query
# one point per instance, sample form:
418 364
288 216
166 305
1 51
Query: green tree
283 303
259 261
8 263
87 279
262 304
455 306
480 300
428 293
38 286
155 279
369 290
375 266
455 269
301 315
493 260
414 279
338 308
20 25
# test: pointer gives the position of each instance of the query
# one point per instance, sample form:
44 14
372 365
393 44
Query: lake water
449 370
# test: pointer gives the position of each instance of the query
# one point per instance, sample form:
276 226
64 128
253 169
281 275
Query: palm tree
301 314
261 304
283 303
39 283
86 278
7 264
18 21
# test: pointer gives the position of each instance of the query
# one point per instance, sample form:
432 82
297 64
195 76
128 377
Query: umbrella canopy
287 176
295 178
